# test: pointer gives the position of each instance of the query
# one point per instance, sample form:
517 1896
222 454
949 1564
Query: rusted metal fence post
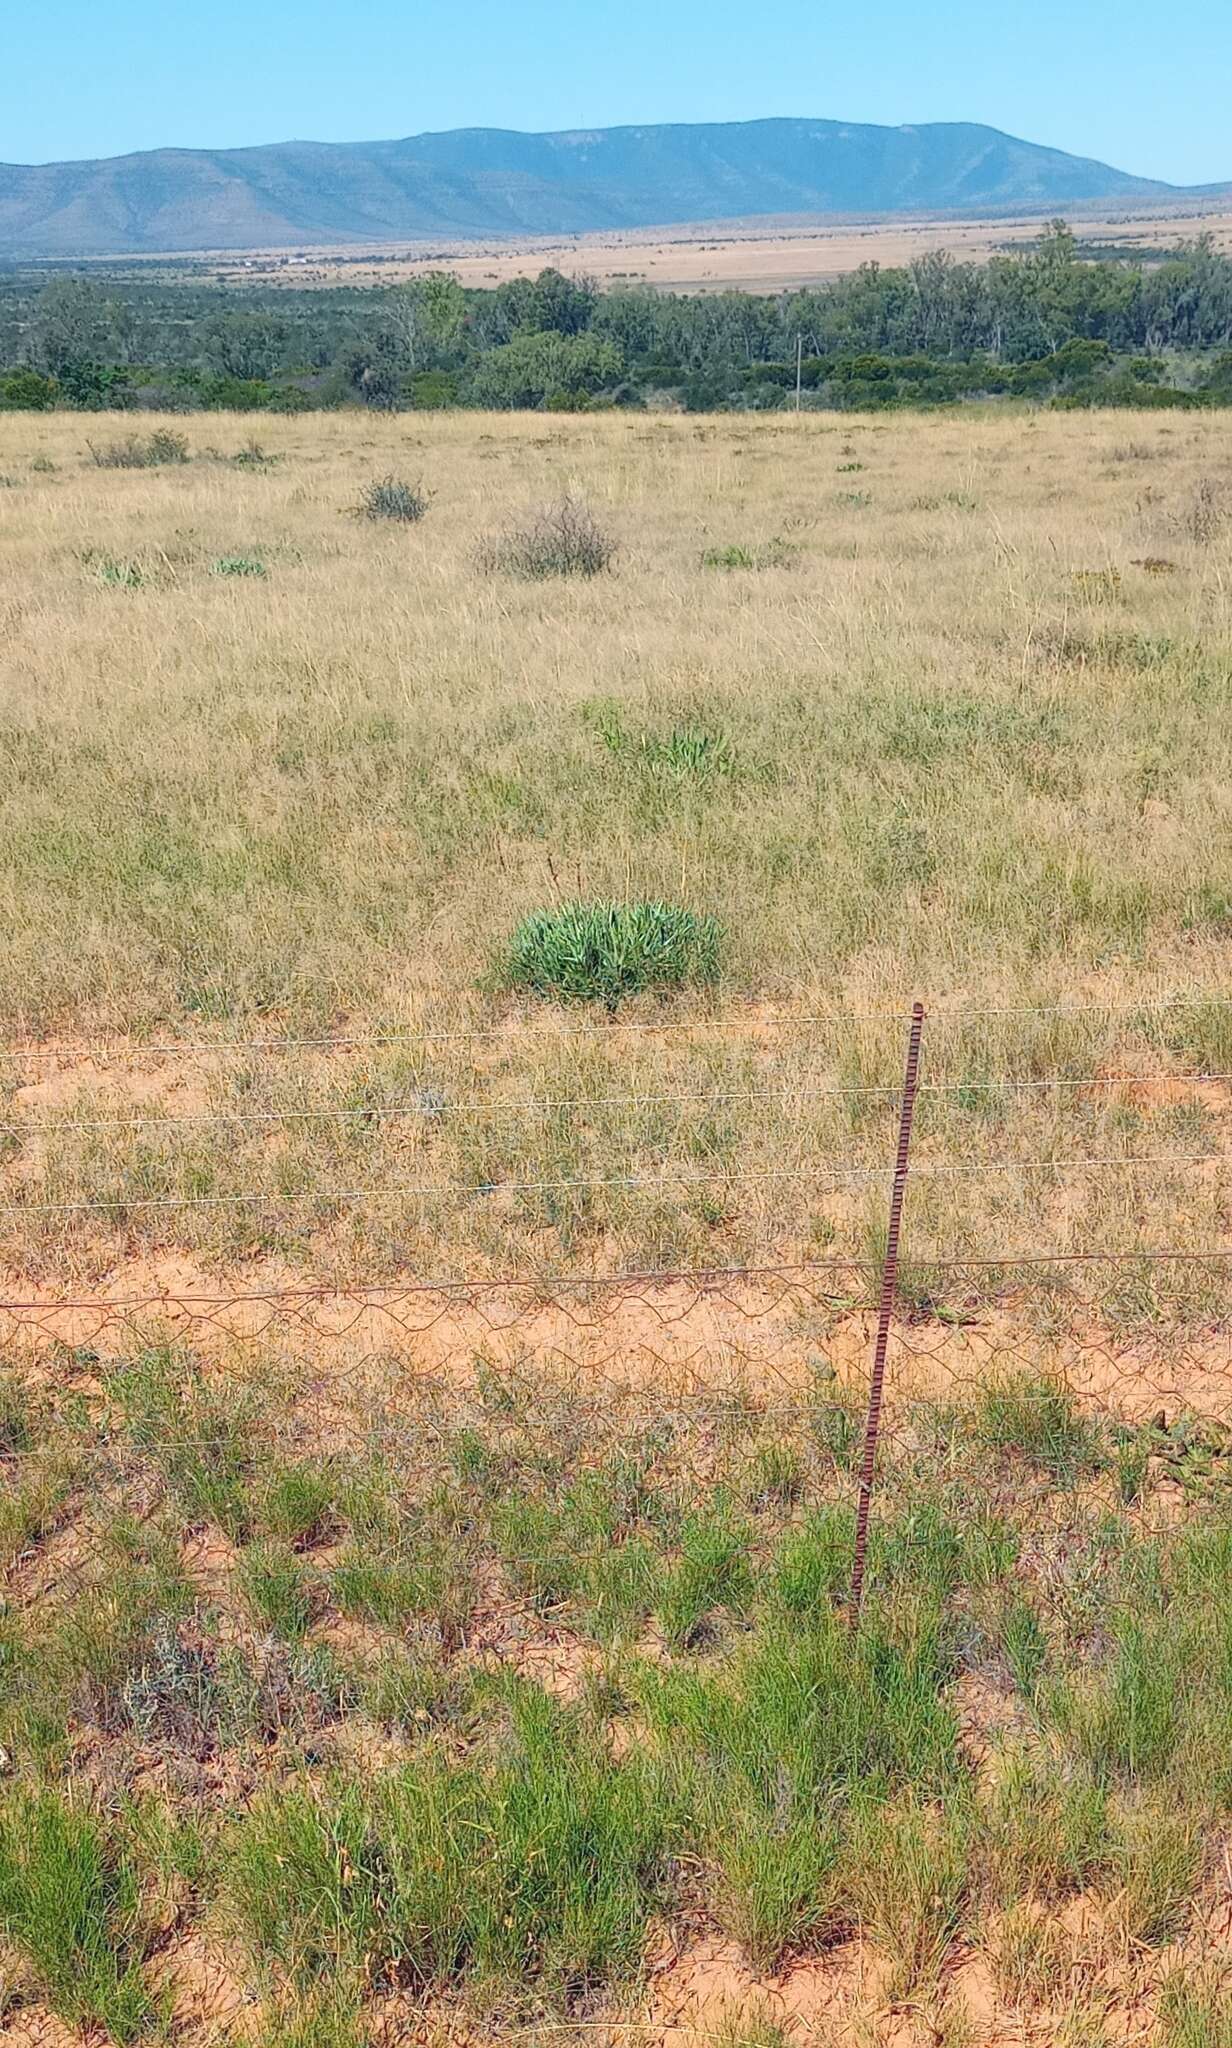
889 1284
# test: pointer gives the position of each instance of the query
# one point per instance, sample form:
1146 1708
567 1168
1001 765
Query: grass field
346 1702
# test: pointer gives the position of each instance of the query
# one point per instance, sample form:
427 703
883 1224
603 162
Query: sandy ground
764 254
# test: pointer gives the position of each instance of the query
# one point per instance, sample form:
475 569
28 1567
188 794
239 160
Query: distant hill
490 181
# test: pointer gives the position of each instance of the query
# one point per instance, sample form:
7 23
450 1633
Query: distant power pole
799 364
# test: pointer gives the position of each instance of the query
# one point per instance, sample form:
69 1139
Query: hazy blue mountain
489 181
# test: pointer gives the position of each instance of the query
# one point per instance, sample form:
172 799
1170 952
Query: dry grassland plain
761 254
493 1678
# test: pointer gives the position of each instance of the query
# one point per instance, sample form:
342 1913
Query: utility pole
799 363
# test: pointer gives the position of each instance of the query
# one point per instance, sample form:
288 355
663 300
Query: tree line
1046 322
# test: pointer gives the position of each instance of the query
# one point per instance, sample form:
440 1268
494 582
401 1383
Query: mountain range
493 181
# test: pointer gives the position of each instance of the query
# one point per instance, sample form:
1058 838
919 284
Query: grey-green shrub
561 539
388 497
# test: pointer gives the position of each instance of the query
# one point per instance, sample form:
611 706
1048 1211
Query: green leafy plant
602 952
237 565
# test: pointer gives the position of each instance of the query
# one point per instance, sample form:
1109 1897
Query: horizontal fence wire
977 1085
529 1028
1136 1336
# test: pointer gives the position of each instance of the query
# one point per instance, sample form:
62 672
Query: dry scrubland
343 1703
756 255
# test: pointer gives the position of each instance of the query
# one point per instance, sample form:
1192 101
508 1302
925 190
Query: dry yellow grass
974 751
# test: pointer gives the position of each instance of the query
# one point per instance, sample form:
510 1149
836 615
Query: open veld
431 1414
761 255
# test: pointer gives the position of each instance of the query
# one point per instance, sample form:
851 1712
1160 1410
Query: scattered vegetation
142 451
718 1749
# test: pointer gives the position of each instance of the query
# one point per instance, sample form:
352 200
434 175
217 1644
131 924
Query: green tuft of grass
274 1584
603 952
70 1906
237 565
1039 1420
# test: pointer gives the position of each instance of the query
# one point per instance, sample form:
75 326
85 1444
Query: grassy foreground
502 1709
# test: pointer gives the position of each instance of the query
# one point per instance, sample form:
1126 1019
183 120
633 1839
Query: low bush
387 497
138 451
562 539
600 952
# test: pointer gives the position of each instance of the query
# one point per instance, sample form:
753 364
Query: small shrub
387 497
43 465
563 539
599 952
134 452
1203 518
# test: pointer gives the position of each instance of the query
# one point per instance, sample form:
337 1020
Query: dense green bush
27 391
599 952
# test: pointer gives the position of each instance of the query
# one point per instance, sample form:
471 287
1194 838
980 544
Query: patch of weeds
562 539
539 1871
712 1572
273 1582
538 1548
1156 1868
775 1476
253 456
237 565
42 465
1096 583
151 451
119 572
199 1428
687 752
909 1872
623 1585
173 1697
1038 1419
812 1566
1195 2009
390 497
70 1906
602 952
413 1692
1202 520
296 1504
774 553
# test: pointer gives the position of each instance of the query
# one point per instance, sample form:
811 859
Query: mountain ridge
497 181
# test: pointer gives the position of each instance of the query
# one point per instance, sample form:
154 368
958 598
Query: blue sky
1144 86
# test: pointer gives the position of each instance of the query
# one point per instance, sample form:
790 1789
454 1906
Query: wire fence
866 1351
